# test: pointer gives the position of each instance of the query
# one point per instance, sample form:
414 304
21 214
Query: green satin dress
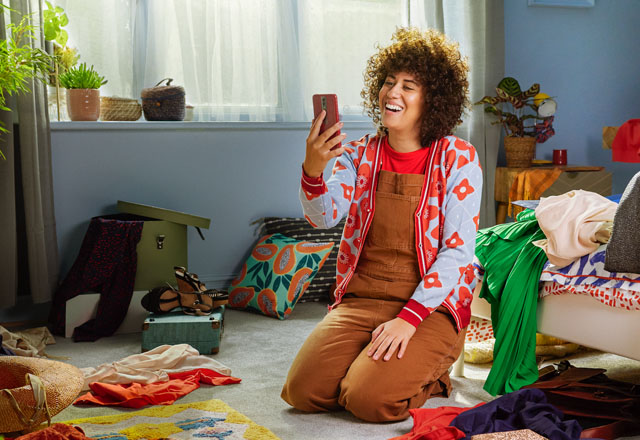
513 266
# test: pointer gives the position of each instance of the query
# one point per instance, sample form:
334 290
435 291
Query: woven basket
163 103
520 151
119 109
62 383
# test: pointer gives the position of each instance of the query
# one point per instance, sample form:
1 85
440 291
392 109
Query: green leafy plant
81 78
65 57
55 19
514 109
19 61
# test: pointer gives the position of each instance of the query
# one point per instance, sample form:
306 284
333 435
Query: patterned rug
200 420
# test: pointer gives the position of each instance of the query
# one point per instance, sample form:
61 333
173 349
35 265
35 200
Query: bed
584 304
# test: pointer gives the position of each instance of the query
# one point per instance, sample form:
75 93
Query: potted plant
83 92
526 117
19 62
65 57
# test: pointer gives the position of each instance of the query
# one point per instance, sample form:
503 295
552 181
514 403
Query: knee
307 395
295 393
371 404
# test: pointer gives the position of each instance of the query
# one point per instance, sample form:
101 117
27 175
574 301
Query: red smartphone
328 103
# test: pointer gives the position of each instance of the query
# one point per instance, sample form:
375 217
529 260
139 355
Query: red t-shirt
414 162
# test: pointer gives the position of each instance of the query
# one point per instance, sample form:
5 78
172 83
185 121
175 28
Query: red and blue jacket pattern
446 221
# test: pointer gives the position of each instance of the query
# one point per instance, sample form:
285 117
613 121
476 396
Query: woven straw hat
33 390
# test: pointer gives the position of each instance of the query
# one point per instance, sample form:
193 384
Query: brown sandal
164 299
189 282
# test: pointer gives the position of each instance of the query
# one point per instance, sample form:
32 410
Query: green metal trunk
201 332
163 243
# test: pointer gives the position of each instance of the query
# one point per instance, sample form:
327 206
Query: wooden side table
594 179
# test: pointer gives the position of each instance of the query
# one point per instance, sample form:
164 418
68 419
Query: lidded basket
163 103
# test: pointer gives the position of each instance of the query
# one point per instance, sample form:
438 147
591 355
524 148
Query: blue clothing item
523 409
615 198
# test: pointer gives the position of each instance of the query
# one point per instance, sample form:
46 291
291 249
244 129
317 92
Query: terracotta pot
83 104
520 151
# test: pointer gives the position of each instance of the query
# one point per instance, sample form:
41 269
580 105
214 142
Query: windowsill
180 125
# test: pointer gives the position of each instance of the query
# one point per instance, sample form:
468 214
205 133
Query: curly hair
438 67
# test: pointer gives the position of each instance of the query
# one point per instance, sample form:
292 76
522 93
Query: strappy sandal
205 303
189 282
161 300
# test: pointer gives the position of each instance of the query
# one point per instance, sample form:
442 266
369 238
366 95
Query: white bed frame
580 319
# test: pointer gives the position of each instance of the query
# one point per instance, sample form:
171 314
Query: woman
411 194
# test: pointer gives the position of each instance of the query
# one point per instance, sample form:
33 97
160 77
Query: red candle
559 157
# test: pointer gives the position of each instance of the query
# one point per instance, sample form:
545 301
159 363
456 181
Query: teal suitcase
201 332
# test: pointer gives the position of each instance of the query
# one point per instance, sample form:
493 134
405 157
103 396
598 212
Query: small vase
83 104
53 96
520 151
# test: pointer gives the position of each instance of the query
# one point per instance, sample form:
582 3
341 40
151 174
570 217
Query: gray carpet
259 350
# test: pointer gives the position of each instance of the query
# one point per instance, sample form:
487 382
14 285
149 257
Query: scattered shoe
189 282
164 299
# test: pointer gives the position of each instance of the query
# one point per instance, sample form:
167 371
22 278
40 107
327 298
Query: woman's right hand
319 146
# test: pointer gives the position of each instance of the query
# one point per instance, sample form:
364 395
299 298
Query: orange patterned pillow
276 274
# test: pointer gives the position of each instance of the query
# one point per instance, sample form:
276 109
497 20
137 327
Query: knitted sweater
446 221
623 250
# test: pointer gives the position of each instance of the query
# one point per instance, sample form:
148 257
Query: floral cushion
276 274
299 228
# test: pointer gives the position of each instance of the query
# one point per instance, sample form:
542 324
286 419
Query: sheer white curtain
102 32
236 59
337 37
478 25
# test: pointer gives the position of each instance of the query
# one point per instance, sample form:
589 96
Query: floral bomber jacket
446 221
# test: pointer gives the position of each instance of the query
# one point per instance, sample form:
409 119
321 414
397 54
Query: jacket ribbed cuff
413 312
313 185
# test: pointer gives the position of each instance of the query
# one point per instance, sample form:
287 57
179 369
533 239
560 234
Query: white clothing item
152 366
575 224
30 342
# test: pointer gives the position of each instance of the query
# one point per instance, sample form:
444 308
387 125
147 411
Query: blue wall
589 59
230 173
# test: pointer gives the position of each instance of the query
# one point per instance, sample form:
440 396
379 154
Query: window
257 60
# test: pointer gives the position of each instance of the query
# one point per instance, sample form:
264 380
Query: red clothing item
405 163
445 226
136 395
57 431
433 423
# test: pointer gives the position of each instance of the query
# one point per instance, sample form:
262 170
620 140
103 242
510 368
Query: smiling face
401 104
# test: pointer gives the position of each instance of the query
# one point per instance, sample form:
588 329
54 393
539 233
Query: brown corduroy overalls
332 369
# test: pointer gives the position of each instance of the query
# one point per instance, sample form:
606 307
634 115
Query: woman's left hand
390 336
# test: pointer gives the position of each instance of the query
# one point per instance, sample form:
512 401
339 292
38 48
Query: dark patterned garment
106 264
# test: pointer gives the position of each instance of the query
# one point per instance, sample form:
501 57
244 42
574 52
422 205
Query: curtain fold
36 184
478 25
8 226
